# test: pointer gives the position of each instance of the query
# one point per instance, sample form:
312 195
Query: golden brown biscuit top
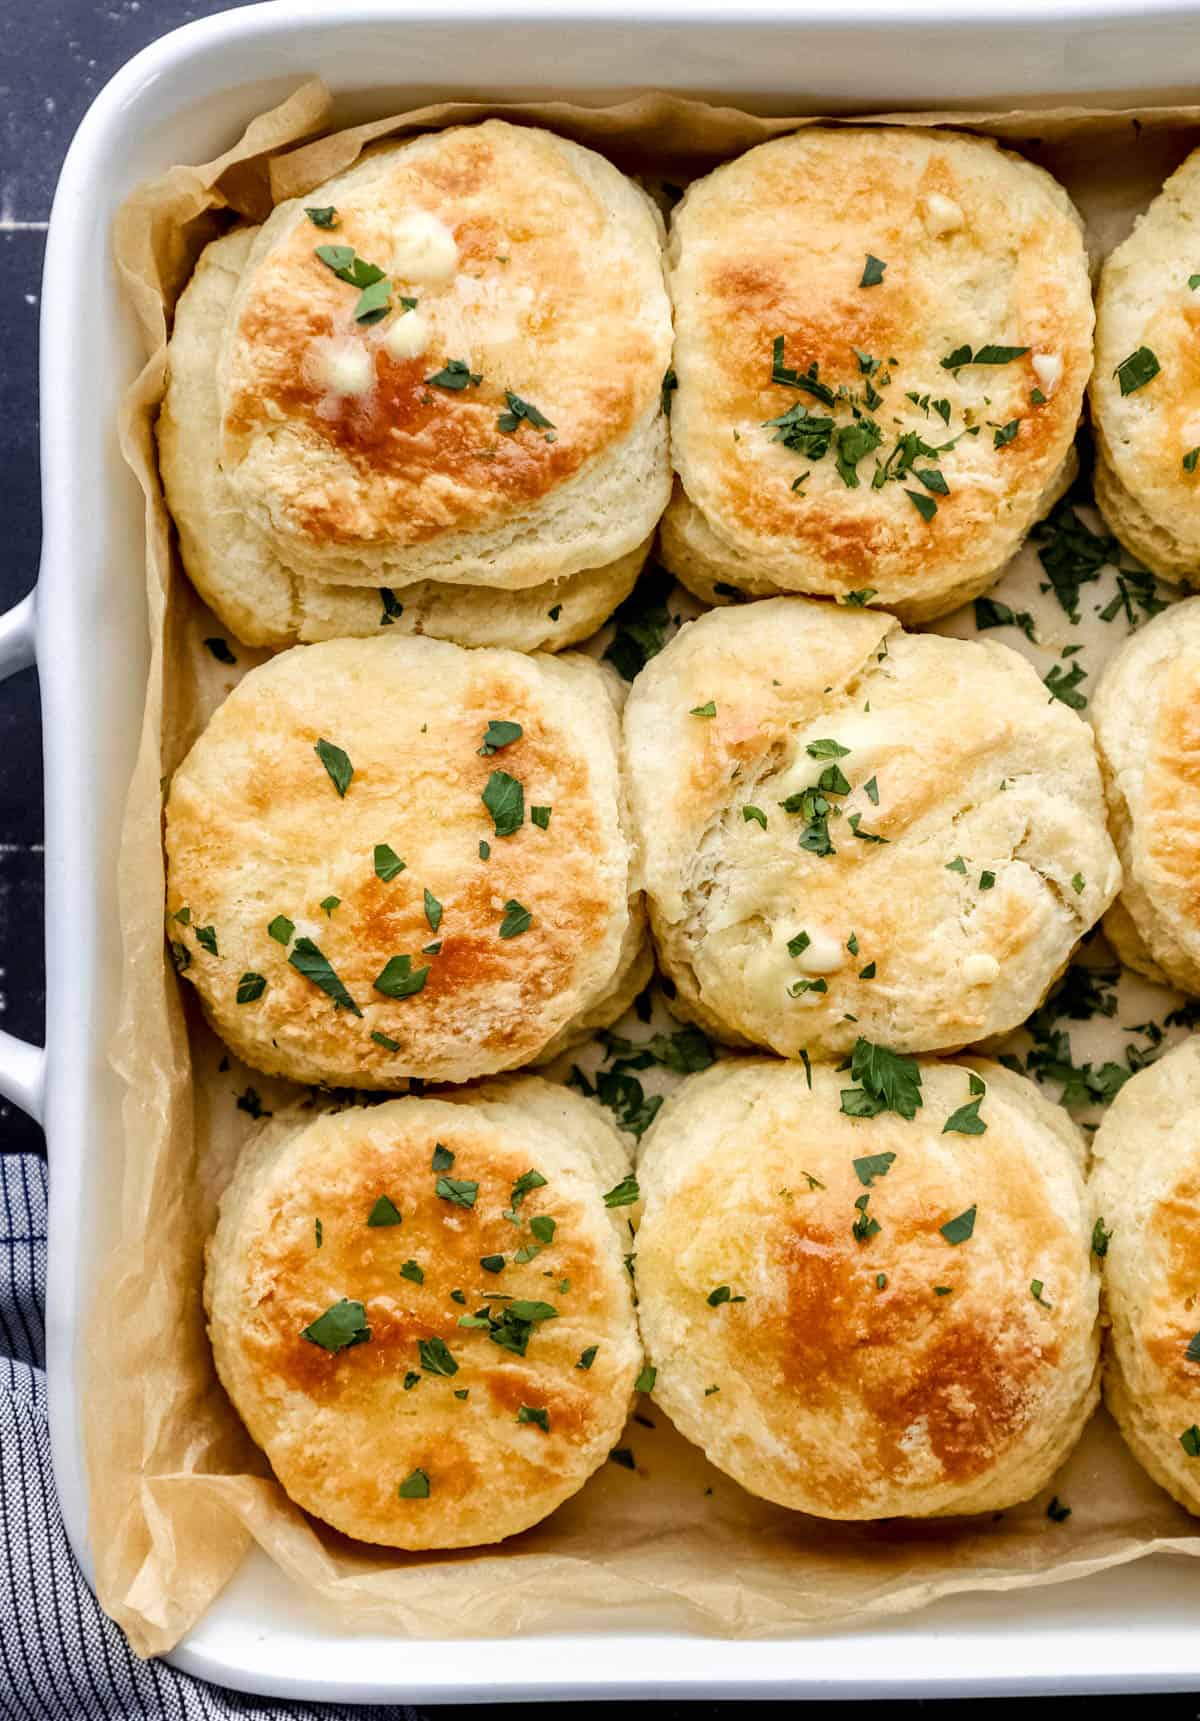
909 1296
850 829
1168 840
552 295
1146 384
448 903
828 281
410 1294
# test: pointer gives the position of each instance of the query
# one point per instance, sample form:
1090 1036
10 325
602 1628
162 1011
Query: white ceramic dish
184 99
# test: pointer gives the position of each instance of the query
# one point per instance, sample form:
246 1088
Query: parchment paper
177 1488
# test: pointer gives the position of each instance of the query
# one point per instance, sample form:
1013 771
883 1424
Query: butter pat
407 337
1047 367
824 954
423 248
345 367
941 215
980 970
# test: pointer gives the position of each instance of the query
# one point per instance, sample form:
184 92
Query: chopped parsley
864 1227
1005 433
959 1229
925 505
722 1294
343 1324
454 375
1036 1288
1101 1238
587 1357
504 798
670 383
413 1272
517 919
985 355
500 732
1064 685
708 710
536 1414
871 1166
641 624
540 816
385 1212
338 765
520 412
433 911
442 1159
393 609
385 1040
623 1194
308 959
329 903
388 864
250 987
645 1381
399 979
872 273
415 1486
754 814
323 217
206 937
1190 1441
990 612
889 1082
966 1120
458 1192
1137 370
280 929
435 1357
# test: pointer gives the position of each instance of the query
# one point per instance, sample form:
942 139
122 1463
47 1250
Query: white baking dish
184 99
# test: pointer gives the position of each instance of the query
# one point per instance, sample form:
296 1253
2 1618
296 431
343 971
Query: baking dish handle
22 1066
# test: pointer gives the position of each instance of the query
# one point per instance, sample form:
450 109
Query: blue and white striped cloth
61 1658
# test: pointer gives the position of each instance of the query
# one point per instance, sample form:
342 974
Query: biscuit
395 858
866 1317
502 423
847 829
882 342
381 1317
1144 394
1146 713
240 575
1145 1191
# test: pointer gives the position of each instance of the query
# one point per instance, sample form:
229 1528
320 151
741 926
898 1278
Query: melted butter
422 248
343 366
406 337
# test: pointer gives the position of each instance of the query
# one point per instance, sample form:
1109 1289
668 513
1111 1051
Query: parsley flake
959 1229
500 732
504 798
385 1212
872 273
1137 370
517 919
250 987
399 979
308 959
338 765
343 1324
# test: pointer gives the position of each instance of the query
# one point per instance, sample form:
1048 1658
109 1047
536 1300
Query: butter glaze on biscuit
982 250
556 294
344 1429
844 1384
239 573
1147 417
256 830
958 855
1145 1195
1146 713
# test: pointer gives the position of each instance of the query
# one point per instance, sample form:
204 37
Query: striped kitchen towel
61 1658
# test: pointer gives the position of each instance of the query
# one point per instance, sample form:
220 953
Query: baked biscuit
847 829
488 412
882 342
394 858
239 573
382 1319
1145 1193
866 1317
1147 720
1145 389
